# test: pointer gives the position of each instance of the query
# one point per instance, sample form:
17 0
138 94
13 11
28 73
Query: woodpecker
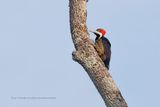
102 46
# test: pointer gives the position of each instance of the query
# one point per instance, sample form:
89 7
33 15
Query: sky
36 48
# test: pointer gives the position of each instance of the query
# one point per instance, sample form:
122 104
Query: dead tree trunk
87 56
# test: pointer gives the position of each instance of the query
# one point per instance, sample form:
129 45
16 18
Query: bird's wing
100 49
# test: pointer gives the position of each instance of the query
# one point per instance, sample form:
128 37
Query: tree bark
87 56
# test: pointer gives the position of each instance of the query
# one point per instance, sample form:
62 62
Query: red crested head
102 31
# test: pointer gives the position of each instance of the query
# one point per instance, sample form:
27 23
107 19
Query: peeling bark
87 56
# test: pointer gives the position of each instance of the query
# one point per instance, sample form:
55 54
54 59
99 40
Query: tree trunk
87 56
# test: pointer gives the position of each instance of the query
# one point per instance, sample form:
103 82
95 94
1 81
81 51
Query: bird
102 46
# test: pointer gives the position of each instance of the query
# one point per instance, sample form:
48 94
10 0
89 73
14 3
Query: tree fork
87 56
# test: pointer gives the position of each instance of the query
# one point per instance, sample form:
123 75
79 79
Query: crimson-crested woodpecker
102 46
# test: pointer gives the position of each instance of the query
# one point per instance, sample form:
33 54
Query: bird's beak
96 32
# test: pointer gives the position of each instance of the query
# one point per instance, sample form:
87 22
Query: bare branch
87 56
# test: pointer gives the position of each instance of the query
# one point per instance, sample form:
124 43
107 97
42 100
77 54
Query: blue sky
36 47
